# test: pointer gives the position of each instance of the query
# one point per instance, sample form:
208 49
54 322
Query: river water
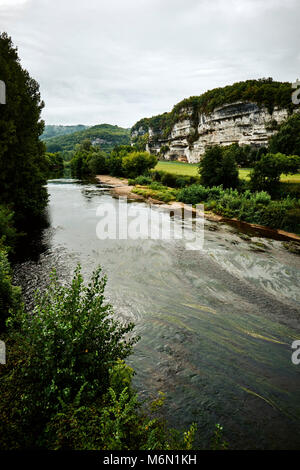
216 324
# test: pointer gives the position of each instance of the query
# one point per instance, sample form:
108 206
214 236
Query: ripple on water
216 325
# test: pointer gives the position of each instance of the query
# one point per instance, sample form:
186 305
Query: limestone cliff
198 122
242 122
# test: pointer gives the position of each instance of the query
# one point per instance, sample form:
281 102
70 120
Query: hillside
56 130
246 112
105 135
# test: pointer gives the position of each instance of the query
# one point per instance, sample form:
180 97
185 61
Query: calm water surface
216 325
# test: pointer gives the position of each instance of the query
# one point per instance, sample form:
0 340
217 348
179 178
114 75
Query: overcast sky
117 61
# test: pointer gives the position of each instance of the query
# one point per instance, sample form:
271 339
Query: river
216 324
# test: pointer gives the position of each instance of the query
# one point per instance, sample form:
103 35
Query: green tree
229 172
116 158
218 167
97 163
138 163
55 165
266 172
287 139
22 154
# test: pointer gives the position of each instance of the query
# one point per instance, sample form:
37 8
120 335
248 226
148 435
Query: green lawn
191 169
178 168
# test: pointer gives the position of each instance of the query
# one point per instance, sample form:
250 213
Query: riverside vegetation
262 200
65 384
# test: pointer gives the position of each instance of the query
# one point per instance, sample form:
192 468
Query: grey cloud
118 61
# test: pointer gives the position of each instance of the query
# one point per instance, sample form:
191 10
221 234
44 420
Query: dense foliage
266 172
218 166
10 295
137 163
105 135
287 139
124 160
245 155
263 92
55 165
88 160
65 385
253 207
22 154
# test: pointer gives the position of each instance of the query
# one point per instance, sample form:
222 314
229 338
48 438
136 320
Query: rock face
241 122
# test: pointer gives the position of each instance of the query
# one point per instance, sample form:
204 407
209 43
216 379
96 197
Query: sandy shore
120 187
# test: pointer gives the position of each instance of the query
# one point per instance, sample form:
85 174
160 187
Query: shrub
157 186
162 194
253 207
262 197
157 174
193 194
73 340
291 220
10 295
169 179
117 423
66 385
137 163
141 180
8 233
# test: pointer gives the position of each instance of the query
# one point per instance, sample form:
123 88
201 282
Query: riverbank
120 187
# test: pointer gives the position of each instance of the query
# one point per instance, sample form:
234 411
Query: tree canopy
287 139
22 154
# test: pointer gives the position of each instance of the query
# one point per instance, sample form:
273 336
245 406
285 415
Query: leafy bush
169 179
115 423
66 386
8 233
10 295
197 193
162 194
173 181
141 180
74 340
266 172
157 186
253 207
137 163
291 220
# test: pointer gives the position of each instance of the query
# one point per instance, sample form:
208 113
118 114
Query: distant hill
105 135
56 130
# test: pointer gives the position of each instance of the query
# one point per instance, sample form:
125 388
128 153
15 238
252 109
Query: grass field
191 169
